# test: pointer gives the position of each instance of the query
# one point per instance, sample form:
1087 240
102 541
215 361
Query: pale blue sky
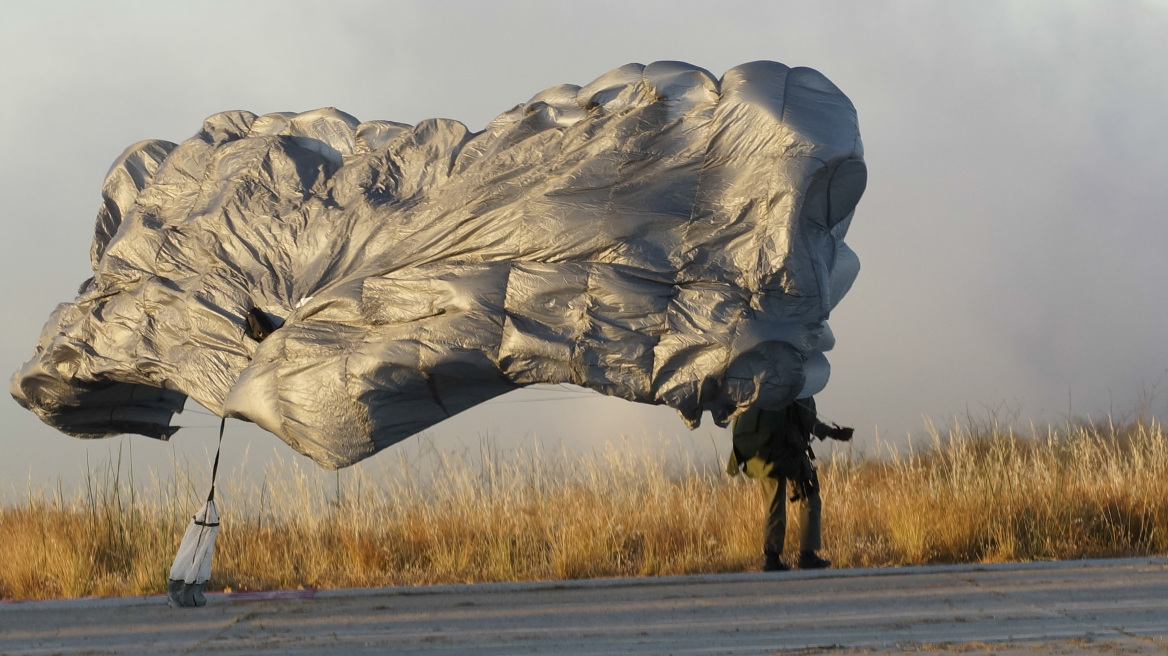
1012 237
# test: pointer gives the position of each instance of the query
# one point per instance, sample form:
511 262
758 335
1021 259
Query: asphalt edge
221 598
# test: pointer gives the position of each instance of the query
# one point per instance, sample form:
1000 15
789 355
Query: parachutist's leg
810 518
775 528
810 510
775 525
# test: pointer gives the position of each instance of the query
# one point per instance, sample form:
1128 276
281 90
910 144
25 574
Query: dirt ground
1076 607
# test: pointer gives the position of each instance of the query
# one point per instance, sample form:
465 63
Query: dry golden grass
972 495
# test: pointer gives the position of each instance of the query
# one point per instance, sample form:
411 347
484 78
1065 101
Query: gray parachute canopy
657 235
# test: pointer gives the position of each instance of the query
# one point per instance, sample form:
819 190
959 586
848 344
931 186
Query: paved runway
1075 607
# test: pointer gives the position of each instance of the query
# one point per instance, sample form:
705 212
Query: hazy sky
1013 235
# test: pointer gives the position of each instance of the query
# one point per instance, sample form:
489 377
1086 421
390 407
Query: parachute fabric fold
658 235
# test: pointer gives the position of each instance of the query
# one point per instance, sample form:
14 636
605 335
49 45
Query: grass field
972 494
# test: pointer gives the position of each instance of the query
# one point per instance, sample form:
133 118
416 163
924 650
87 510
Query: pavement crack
227 627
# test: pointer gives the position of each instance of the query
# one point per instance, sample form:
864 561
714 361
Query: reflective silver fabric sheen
658 235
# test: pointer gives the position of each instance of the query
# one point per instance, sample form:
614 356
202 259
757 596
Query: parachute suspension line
817 415
552 393
192 564
215 467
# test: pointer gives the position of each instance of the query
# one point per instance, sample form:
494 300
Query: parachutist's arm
834 431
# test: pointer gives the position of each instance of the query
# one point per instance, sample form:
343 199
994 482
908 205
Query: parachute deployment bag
192 565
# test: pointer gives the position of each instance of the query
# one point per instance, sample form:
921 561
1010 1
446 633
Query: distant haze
1012 237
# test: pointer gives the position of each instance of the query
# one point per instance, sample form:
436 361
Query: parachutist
774 446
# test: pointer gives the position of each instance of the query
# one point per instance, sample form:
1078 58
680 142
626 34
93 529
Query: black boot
811 560
774 563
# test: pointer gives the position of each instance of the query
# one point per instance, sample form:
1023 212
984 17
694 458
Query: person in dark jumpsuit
774 446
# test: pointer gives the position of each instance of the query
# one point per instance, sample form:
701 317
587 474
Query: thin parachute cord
215 467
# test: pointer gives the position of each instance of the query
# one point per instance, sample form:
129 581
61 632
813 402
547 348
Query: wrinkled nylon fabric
657 235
